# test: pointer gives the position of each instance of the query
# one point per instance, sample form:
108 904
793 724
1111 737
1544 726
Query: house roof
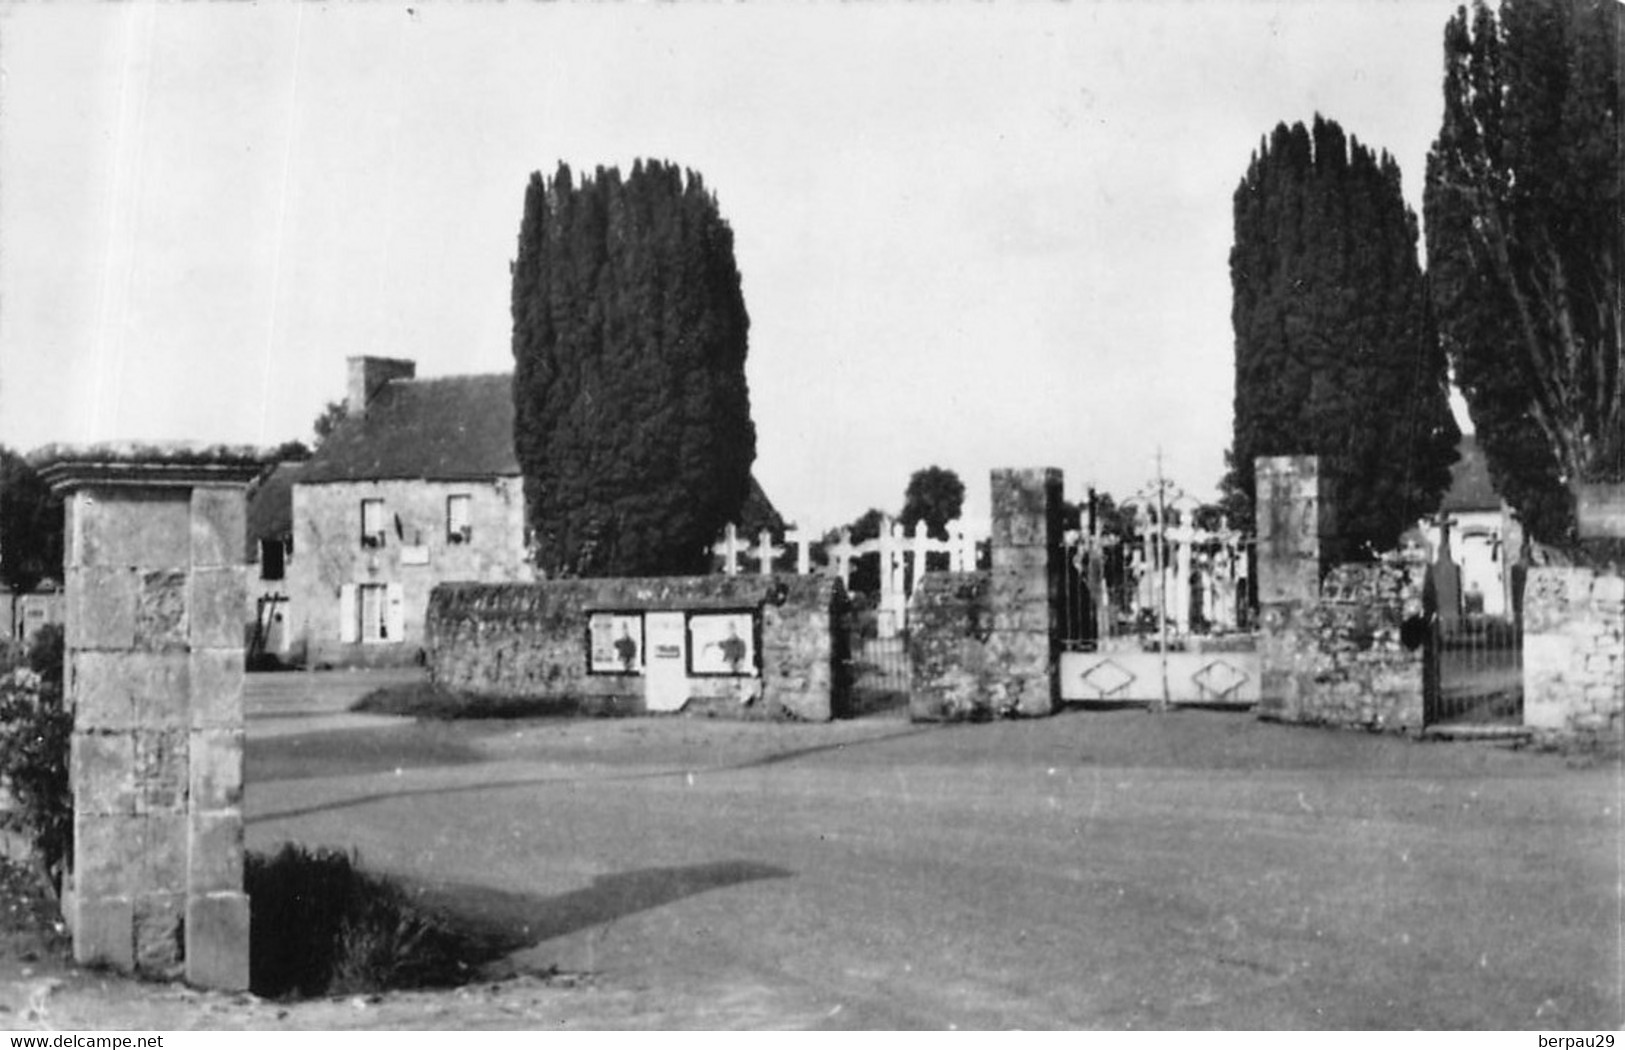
450 428
270 504
758 512
1470 485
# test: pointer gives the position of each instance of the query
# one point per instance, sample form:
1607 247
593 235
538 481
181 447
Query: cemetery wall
1574 652
1347 657
1333 644
530 641
951 665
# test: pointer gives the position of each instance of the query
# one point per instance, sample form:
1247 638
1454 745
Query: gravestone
156 598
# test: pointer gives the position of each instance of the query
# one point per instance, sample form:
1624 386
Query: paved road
1095 870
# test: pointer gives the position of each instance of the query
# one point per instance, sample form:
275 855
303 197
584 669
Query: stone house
418 485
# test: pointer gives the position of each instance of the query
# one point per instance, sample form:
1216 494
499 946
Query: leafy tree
1336 352
632 414
30 525
328 421
935 496
1524 242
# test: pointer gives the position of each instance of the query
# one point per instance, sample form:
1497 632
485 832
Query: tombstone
156 598
1442 589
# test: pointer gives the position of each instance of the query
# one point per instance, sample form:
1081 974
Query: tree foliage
935 496
331 416
632 414
1524 236
1336 351
30 525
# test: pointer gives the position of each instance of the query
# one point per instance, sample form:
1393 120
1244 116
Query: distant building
270 552
1485 539
26 612
419 484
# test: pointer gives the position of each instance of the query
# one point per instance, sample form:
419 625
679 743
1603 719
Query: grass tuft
319 925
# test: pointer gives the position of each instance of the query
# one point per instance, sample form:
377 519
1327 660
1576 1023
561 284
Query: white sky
971 236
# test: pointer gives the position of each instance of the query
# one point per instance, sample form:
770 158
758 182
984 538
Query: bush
318 925
35 730
47 653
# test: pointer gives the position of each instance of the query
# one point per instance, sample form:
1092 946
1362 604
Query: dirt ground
1102 869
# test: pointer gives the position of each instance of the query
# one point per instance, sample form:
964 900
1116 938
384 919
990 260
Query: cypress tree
1524 240
632 414
1336 351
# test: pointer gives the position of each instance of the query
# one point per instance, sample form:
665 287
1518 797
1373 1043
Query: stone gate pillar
156 597
1025 591
1293 512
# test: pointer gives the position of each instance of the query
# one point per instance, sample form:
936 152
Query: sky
970 236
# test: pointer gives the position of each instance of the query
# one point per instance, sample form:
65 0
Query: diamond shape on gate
1107 677
1219 679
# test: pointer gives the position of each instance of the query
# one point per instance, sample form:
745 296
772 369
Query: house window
374 606
372 523
272 559
459 520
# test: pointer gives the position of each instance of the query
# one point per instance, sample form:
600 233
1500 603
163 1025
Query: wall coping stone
174 465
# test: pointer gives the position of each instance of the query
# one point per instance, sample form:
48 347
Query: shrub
47 653
318 925
35 730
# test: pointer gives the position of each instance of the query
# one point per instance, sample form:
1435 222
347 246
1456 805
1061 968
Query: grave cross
729 548
764 552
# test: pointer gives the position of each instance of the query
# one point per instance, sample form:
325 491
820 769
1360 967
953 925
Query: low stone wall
951 663
1574 651
1347 658
529 641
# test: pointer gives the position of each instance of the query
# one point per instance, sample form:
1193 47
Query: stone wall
984 644
529 641
328 557
1333 651
1574 651
951 664
1347 658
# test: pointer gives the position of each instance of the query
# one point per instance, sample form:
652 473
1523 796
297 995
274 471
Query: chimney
368 376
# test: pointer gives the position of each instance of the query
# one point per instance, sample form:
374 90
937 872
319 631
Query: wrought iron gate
1474 672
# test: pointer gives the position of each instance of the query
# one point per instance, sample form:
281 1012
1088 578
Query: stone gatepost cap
176 464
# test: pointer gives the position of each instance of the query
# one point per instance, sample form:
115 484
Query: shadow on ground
502 922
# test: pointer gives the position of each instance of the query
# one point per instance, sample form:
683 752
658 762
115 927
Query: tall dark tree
935 496
30 525
632 415
1524 234
1336 350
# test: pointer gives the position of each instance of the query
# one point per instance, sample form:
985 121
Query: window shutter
348 622
397 613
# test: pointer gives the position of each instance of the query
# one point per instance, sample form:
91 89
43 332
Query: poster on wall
723 643
615 643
